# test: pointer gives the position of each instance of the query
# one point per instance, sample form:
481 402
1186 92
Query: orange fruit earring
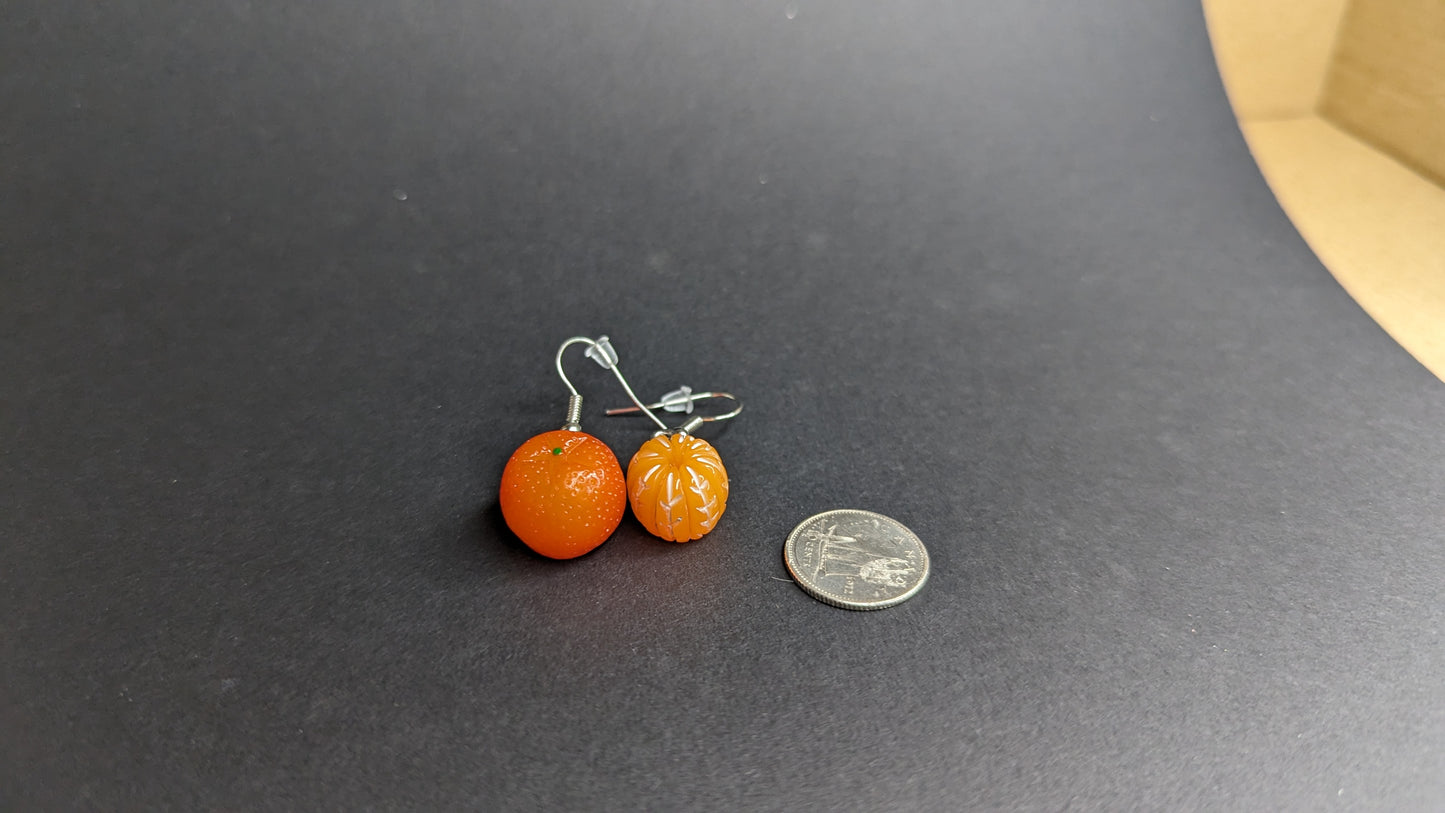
563 492
676 482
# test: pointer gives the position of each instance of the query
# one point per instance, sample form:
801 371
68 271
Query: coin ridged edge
837 601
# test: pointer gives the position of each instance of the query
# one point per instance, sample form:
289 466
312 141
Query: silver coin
857 560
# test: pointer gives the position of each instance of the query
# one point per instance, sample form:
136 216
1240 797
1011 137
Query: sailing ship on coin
875 561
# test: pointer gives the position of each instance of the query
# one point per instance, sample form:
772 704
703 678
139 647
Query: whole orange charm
678 486
563 493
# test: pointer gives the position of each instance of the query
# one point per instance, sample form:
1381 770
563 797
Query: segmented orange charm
678 487
563 493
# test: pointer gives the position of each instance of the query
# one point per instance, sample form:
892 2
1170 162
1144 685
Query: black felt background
279 293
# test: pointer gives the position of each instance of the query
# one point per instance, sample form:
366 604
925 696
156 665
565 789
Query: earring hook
682 400
601 351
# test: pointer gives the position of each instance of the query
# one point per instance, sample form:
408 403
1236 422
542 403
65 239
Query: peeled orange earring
563 492
676 482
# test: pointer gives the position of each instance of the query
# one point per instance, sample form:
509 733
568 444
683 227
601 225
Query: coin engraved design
857 560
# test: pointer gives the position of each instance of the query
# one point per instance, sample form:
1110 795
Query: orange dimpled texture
563 493
678 487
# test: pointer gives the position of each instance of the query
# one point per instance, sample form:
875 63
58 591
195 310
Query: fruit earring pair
563 492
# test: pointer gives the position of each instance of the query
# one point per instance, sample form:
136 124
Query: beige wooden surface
1273 53
1386 82
1377 226
1344 110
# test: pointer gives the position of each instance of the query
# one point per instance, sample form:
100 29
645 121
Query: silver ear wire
682 400
601 351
